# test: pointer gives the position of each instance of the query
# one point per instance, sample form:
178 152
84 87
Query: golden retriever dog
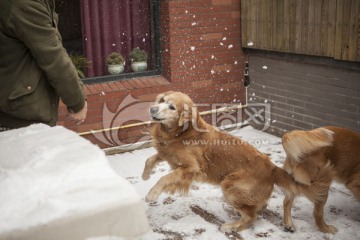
197 151
315 158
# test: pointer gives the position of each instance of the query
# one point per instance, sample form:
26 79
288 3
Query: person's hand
79 117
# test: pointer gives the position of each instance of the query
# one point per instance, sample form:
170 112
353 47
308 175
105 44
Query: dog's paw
289 228
151 198
328 229
226 228
145 176
332 229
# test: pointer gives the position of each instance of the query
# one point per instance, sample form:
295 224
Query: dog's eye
172 107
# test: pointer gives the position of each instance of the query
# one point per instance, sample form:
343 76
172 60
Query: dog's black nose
154 110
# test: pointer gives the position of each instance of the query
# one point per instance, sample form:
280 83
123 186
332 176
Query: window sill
121 77
118 84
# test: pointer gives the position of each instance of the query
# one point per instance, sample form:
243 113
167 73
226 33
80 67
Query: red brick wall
201 56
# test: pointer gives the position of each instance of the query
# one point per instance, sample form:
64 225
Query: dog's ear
188 114
185 115
194 115
160 97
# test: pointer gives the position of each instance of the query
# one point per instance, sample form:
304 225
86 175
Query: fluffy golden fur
196 151
315 158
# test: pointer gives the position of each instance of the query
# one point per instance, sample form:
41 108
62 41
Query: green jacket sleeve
34 24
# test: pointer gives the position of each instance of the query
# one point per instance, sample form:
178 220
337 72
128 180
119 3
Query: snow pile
57 185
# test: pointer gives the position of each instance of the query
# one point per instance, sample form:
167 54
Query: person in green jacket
35 69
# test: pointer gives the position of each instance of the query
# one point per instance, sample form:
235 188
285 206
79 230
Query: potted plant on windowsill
80 62
115 62
138 59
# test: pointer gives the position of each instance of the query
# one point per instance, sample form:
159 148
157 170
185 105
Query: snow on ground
173 218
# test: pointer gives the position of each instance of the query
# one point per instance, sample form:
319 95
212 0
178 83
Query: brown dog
196 151
315 158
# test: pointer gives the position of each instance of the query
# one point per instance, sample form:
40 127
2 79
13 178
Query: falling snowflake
193 24
192 48
230 46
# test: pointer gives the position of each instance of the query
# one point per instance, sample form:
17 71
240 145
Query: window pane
96 28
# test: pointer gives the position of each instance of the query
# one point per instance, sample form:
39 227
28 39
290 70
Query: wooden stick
115 128
223 109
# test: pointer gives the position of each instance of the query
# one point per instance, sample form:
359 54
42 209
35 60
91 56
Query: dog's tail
317 190
286 181
298 143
